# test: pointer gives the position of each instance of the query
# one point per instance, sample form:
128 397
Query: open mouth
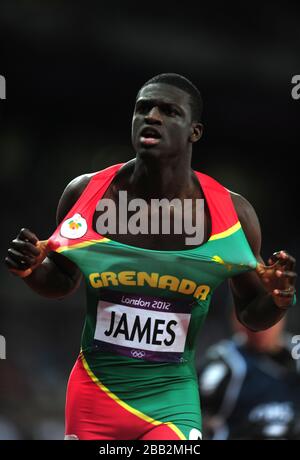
150 136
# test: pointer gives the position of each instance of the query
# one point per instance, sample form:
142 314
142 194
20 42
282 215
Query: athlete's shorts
93 412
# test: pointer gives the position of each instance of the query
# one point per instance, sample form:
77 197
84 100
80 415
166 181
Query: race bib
150 328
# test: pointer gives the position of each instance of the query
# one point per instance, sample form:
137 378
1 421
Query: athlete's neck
156 178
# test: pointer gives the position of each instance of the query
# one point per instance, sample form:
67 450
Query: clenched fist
25 253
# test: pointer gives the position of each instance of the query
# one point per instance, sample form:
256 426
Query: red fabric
86 205
160 433
219 202
91 414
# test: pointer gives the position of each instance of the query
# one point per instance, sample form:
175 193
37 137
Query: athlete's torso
158 241
145 305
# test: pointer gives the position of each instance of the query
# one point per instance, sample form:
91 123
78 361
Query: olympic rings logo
138 354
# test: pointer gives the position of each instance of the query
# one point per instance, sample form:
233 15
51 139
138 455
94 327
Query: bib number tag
144 327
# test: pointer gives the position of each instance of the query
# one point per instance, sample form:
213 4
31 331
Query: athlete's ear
197 131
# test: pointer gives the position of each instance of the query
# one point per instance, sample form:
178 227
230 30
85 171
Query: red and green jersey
146 307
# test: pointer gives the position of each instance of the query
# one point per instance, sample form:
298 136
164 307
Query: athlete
148 293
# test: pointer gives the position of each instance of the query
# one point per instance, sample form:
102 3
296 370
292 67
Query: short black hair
181 82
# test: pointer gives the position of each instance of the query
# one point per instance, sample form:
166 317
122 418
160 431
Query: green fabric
163 390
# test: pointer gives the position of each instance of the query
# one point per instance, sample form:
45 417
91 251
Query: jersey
247 394
146 307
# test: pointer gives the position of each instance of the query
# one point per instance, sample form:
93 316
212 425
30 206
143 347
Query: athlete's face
162 121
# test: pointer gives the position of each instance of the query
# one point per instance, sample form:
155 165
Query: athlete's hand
25 253
279 277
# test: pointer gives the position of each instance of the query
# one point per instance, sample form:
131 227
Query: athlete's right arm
56 276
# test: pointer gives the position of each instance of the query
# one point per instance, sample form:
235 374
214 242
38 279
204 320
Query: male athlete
148 294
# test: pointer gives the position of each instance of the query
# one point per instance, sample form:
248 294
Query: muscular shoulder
249 221
71 194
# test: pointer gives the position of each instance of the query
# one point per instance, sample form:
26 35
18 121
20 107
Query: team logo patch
74 227
195 435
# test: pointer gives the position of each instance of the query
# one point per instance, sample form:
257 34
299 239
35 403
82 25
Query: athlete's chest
176 224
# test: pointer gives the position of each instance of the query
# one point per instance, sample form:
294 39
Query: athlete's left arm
263 296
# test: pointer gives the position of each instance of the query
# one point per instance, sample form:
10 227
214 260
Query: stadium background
72 73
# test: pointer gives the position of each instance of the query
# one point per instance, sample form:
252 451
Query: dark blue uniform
250 395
